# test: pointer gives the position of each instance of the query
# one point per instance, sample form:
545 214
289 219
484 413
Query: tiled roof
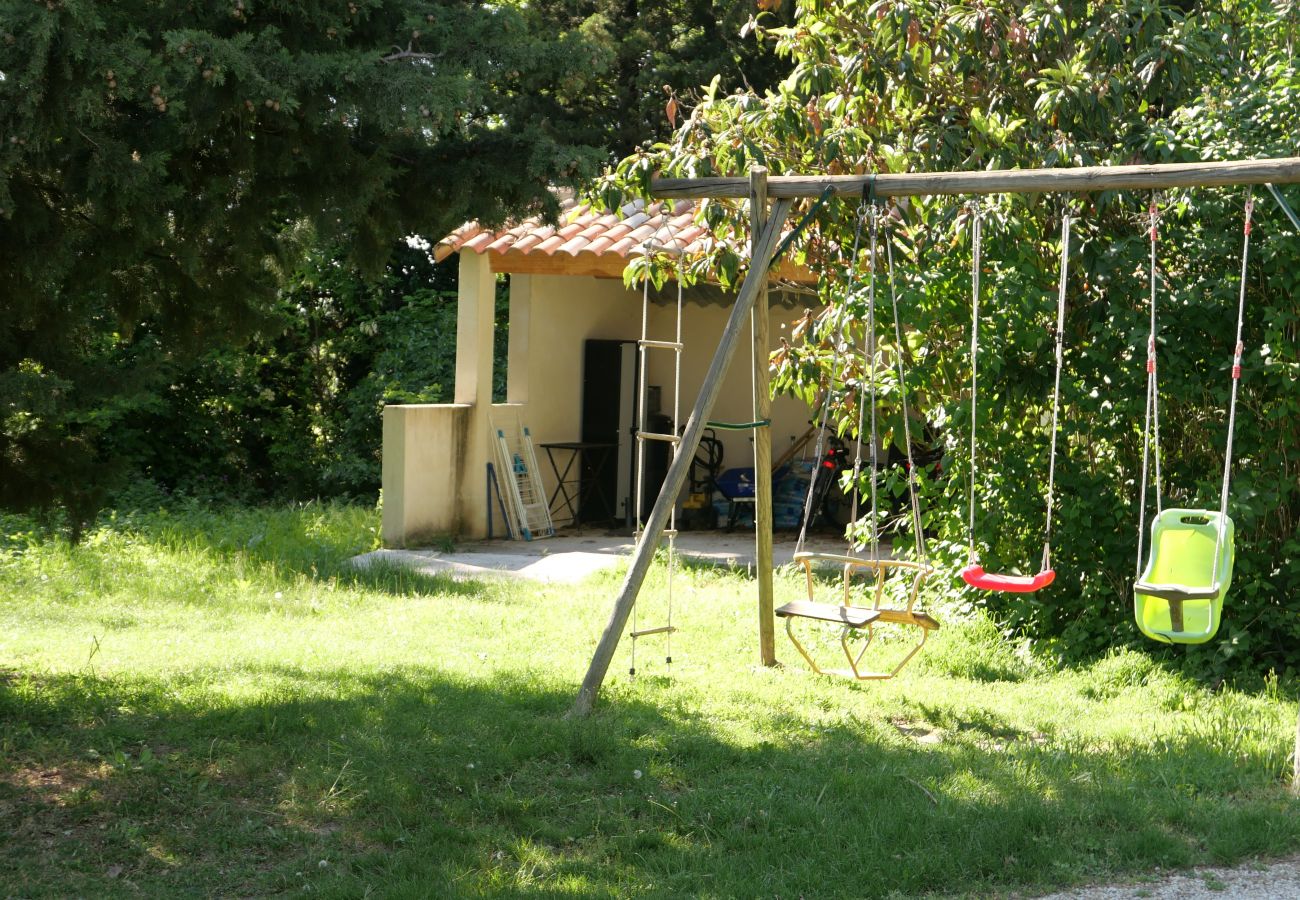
583 231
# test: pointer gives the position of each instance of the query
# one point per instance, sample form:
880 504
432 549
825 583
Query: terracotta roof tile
600 245
585 232
549 245
528 242
479 242
572 229
622 247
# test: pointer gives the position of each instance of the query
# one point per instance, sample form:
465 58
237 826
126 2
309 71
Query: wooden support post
764 247
1008 181
762 433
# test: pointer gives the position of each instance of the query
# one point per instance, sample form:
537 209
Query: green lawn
214 704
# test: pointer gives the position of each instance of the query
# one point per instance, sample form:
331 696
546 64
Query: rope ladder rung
661 629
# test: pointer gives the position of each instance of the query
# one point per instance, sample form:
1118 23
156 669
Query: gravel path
1279 880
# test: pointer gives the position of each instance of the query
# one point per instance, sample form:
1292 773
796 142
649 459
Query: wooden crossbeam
1007 181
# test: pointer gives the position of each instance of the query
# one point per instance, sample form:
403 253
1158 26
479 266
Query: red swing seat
975 576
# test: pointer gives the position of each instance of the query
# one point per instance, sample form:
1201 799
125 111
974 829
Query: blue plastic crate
736 483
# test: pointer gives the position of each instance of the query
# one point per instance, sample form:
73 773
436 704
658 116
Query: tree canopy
660 55
166 168
889 86
163 165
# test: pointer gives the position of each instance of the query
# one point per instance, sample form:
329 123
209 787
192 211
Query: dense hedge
295 413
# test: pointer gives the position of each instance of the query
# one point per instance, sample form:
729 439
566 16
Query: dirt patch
922 733
52 786
1276 880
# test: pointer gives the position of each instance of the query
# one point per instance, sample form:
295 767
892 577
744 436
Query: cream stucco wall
423 446
565 313
551 318
701 328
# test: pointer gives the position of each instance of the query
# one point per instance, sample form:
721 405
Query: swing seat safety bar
975 576
1178 592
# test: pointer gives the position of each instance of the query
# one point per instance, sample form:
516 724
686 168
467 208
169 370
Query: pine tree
163 163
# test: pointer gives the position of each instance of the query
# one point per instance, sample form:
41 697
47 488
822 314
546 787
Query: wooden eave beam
606 266
1008 181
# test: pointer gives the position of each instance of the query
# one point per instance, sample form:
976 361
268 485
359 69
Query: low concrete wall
424 451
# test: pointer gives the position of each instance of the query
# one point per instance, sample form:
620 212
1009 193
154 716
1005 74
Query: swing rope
1056 387
1151 427
974 574
922 555
873 258
976 254
837 353
1236 381
872 214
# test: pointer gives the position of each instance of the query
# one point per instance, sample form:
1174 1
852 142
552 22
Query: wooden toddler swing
1178 596
845 613
974 573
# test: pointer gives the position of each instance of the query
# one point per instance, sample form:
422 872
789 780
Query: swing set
1178 595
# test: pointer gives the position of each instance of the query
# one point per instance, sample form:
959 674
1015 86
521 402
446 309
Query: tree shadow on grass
401 580
413 783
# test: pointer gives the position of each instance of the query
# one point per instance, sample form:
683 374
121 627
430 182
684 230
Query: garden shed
570 367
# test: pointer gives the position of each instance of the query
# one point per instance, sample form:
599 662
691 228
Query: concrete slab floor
573 554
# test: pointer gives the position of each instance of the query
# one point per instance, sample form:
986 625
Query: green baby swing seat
1179 597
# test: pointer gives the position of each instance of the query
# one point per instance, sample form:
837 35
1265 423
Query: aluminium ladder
523 487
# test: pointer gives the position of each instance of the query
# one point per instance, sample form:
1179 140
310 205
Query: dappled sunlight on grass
409 736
